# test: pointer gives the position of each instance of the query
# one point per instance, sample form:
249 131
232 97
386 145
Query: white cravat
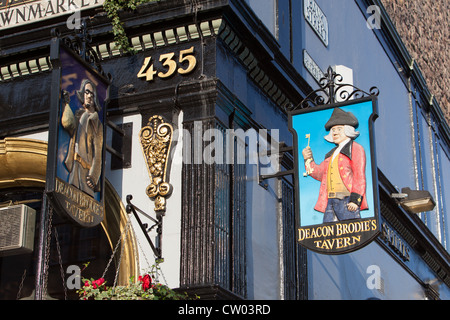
339 148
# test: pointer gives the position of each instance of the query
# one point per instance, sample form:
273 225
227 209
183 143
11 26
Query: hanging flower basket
143 289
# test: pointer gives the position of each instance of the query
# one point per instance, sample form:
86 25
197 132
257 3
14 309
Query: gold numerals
186 64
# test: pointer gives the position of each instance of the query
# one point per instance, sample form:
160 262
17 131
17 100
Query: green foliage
112 8
97 290
143 289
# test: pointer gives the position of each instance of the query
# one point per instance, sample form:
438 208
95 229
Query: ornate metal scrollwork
80 43
156 141
332 87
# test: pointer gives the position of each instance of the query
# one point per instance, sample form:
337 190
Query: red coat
352 166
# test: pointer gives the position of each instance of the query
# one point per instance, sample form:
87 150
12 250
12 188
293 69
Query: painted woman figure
342 173
84 157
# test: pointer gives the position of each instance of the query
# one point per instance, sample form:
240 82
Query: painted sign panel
336 176
77 182
14 13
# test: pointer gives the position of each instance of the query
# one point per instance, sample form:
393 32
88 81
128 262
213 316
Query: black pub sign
76 155
336 176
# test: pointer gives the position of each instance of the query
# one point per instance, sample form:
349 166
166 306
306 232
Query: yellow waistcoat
335 186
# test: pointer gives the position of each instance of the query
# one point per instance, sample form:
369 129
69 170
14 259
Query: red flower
146 282
97 283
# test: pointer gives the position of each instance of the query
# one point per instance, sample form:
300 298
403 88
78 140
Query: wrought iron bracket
284 149
81 44
276 175
157 246
332 90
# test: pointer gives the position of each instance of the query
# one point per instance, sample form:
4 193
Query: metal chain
143 251
127 227
164 278
112 257
158 270
61 269
135 249
115 248
21 284
47 251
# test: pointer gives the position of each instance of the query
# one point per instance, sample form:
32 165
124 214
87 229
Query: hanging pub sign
76 155
336 175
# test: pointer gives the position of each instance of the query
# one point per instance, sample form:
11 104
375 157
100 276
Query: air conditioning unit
17 224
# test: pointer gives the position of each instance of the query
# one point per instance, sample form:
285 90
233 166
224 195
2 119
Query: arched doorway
22 181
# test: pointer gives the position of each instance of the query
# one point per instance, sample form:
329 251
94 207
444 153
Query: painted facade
227 231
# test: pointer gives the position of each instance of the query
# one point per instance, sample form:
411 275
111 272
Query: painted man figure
84 157
342 173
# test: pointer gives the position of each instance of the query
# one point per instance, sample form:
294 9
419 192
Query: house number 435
185 65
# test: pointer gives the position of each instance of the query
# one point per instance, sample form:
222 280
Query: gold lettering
301 233
338 229
329 231
314 233
78 204
374 225
326 246
318 232
338 236
339 243
355 227
186 62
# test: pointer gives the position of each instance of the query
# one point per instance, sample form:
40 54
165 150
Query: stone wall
424 28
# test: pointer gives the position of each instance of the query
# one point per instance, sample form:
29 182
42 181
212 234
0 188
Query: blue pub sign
75 175
336 175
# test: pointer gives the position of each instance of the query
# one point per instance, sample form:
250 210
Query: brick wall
424 28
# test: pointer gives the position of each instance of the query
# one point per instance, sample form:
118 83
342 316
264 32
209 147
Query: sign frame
83 208
338 237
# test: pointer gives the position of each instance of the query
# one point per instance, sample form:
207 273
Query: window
230 216
432 165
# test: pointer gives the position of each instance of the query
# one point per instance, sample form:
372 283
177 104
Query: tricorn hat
340 118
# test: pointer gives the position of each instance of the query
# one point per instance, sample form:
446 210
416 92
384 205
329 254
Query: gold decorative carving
156 141
23 163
